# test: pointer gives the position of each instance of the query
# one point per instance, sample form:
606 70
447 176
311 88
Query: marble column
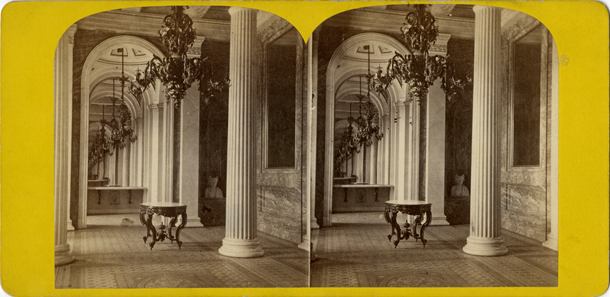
63 132
139 153
412 154
312 115
387 159
372 161
154 168
125 165
485 227
402 162
552 237
241 226
435 153
166 181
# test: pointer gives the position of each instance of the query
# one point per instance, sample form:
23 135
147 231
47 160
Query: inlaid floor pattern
355 252
108 255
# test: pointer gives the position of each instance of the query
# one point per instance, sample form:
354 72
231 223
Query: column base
439 221
551 242
305 245
480 246
63 255
193 222
314 224
241 248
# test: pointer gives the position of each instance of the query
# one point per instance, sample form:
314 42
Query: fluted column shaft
154 168
412 182
402 123
485 227
63 131
372 168
240 231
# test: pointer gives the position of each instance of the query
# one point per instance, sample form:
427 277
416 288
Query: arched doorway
100 68
347 65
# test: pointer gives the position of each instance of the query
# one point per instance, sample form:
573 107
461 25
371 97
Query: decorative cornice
273 31
519 27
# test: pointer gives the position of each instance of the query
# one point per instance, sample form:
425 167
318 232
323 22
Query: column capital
235 9
440 46
401 103
480 8
156 106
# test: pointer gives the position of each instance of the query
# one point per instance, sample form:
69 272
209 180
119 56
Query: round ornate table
167 209
414 208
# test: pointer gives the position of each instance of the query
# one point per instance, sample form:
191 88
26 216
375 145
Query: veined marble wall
524 188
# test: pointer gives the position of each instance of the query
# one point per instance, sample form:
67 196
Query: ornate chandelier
417 68
120 130
367 129
99 148
176 71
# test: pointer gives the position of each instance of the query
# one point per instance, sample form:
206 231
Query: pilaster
63 131
485 226
552 238
312 102
241 222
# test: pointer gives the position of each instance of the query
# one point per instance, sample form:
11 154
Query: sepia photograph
304 148
436 156
185 155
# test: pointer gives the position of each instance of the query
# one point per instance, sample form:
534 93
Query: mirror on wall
526 97
281 57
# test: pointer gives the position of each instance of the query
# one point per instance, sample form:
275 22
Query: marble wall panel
279 212
524 210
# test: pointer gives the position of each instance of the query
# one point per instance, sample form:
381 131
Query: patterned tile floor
112 256
355 252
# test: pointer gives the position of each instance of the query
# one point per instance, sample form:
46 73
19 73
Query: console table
113 188
167 209
414 208
361 186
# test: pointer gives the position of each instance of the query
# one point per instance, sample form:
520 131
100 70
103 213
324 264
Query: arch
331 82
92 58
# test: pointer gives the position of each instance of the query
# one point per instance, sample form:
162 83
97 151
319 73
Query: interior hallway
108 255
355 252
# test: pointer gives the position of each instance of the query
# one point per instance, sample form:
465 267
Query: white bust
459 189
212 191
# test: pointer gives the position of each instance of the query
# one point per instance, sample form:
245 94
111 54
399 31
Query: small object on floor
127 222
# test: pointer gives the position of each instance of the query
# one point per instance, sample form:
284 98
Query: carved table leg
172 224
415 223
145 223
184 218
426 223
388 219
396 228
151 228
